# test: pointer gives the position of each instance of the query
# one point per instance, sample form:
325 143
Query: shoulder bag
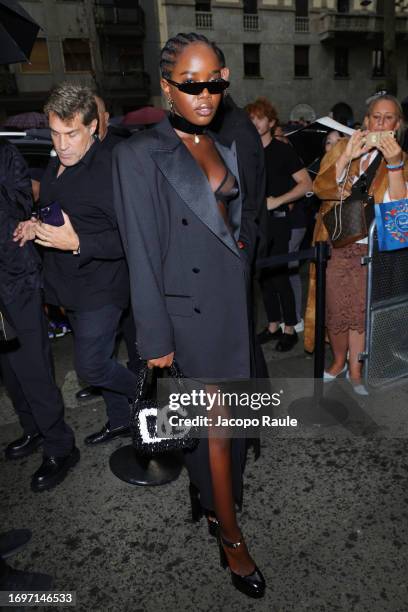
349 220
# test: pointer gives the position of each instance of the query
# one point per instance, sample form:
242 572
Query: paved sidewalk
325 517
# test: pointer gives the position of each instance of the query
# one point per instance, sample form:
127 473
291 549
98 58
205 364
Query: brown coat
327 189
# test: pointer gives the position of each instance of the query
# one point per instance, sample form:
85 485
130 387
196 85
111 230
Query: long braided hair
176 45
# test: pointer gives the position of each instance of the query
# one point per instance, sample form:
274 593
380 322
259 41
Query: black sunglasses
194 88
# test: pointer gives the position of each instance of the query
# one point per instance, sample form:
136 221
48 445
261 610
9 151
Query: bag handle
174 371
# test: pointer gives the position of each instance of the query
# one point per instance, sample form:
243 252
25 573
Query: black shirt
281 161
98 276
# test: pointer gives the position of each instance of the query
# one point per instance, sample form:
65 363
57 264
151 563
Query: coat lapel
189 181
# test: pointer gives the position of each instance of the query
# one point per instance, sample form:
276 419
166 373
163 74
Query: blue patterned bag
392 225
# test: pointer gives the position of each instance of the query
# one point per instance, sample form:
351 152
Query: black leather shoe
24 446
266 335
287 342
88 393
53 471
11 542
107 434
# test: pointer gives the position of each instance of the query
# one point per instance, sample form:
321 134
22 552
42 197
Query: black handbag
7 332
349 220
144 420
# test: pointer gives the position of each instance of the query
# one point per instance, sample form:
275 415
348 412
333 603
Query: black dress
197 461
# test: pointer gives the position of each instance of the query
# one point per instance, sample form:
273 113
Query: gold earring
171 104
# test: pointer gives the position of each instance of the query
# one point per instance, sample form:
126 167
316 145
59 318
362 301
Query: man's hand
63 238
161 362
272 202
25 231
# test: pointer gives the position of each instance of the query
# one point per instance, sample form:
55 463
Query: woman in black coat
189 240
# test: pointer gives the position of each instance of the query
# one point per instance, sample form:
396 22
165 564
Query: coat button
196 270
184 221
197 310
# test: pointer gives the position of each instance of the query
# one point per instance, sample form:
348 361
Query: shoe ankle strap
230 544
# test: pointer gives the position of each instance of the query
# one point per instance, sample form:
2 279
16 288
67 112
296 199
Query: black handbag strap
365 180
143 375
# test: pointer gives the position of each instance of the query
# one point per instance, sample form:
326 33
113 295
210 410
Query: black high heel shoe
252 585
197 511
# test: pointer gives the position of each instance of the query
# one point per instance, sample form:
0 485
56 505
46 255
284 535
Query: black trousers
95 334
28 376
277 291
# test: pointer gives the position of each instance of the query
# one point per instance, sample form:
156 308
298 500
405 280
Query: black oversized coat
188 277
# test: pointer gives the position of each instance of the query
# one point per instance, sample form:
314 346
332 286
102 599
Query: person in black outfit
84 266
188 242
109 137
286 181
26 364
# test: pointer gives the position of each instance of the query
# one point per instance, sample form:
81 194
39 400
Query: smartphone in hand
52 214
373 139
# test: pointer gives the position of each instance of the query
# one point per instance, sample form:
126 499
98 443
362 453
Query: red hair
262 108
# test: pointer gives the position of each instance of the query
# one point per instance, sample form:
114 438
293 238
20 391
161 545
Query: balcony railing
204 20
8 84
301 24
251 22
113 19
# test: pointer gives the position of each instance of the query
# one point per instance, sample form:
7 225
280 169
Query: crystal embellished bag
144 421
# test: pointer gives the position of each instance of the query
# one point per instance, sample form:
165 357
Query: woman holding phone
189 242
346 277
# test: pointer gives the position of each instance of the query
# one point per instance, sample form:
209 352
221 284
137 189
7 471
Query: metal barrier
386 343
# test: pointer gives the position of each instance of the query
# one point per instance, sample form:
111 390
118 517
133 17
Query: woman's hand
356 146
25 231
390 149
161 362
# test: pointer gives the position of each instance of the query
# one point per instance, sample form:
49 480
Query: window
77 55
252 66
203 16
39 61
302 8
301 61
203 6
378 63
130 58
343 6
341 62
250 7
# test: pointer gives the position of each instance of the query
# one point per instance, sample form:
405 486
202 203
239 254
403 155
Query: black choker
182 124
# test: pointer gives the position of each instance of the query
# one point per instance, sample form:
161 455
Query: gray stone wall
277 38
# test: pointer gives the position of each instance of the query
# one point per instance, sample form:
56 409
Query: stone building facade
307 56
95 42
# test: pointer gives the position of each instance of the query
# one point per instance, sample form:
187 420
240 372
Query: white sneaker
357 388
300 326
327 377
